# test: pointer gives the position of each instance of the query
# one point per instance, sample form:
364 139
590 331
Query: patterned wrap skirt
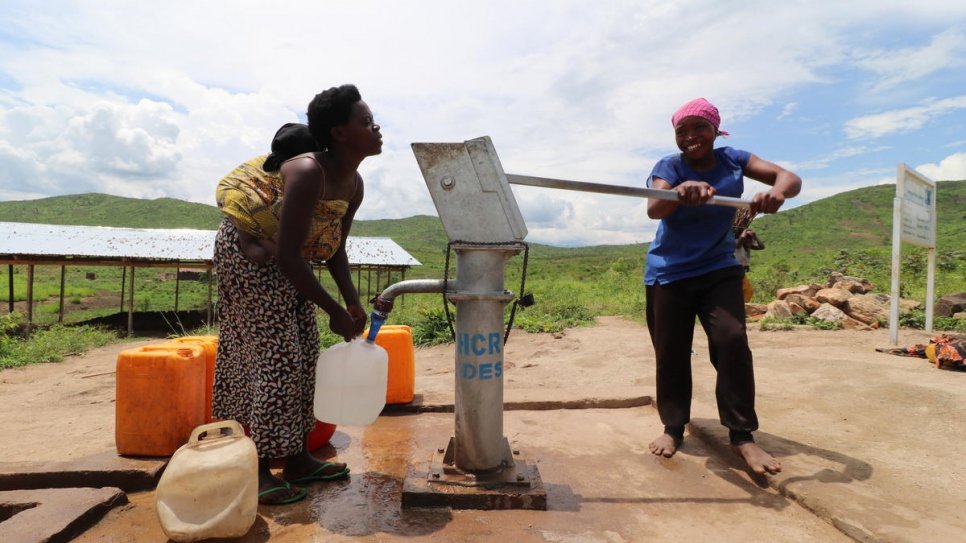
268 346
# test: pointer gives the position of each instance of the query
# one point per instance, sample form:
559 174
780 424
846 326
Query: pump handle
582 186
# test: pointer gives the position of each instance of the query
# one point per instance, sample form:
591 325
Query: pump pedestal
516 485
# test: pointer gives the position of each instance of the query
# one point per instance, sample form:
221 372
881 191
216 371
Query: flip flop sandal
284 501
318 475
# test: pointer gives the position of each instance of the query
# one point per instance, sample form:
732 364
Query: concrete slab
106 469
871 444
602 485
55 515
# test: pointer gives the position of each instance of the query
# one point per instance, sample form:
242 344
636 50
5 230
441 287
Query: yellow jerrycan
210 486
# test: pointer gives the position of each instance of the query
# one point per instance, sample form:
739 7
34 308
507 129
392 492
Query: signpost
913 221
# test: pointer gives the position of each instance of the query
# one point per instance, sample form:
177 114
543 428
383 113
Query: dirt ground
871 443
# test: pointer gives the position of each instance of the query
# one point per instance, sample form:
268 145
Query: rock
834 296
854 287
848 323
828 312
906 306
881 299
796 309
778 309
805 290
960 315
947 305
755 310
836 277
866 309
805 302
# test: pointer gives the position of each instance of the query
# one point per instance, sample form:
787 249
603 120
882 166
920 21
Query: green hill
94 209
849 232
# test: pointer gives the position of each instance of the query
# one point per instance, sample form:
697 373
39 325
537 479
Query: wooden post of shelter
177 285
359 278
123 281
369 282
60 313
30 297
130 305
208 305
10 283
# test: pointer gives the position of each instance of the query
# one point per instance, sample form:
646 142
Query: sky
161 99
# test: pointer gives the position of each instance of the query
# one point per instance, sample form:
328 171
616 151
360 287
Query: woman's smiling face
695 137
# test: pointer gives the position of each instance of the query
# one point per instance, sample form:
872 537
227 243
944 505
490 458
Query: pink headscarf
699 107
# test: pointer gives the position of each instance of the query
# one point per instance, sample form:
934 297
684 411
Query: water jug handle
231 425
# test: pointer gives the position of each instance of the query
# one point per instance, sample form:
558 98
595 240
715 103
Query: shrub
771 324
822 324
52 344
430 327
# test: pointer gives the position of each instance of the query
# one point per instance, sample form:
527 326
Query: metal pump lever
616 189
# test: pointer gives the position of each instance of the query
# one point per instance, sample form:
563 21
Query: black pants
716 299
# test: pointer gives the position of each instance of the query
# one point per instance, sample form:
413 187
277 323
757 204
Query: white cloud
902 120
951 168
788 110
894 67
825 161
162 99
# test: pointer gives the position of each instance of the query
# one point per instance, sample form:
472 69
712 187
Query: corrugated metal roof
377 252
51 240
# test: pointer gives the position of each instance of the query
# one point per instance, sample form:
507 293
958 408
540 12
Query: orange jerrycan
160 398
397 340
210 343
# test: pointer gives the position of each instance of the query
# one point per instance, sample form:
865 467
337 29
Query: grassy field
849 233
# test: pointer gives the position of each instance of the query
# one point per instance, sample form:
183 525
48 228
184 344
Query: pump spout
383 302
382 305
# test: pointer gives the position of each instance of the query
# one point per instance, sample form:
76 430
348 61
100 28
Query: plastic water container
210 344
350 381
160 398
210 487
397 340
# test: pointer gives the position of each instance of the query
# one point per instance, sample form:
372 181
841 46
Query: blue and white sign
918 196
913 221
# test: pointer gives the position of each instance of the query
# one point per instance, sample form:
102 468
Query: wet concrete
601 482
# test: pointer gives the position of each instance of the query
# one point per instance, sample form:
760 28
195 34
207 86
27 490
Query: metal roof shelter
52 245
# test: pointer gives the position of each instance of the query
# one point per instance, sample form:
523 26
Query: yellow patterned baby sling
253 198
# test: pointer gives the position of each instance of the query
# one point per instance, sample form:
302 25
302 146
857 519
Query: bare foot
757 459
665 446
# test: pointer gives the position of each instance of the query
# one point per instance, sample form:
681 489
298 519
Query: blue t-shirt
693 241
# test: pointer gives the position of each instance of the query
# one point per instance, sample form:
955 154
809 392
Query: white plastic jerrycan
350 382
210 486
